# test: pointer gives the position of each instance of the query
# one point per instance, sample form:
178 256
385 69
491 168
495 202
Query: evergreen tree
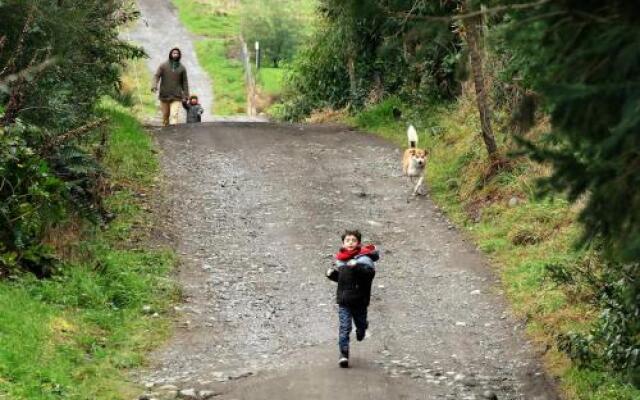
583 58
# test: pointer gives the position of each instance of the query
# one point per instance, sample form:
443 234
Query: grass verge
142 103
270 80
218 23
76 335
518 231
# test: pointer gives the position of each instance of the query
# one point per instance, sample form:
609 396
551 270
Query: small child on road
193 108
354 271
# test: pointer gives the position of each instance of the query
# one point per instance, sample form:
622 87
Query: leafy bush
32 199
363 52
318 78
277 27
614 340
52 75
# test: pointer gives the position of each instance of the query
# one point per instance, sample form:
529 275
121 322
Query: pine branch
522 6
15 84
72 134
415 5
16 98
10 67
25 73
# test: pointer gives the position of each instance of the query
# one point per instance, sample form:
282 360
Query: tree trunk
473 37
523 116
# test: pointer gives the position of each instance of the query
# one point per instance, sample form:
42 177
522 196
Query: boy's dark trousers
346 314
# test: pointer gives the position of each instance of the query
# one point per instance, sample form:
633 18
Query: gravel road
256 213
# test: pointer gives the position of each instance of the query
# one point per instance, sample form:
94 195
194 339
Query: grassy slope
144 101
76 335
219 24
520 239
270 80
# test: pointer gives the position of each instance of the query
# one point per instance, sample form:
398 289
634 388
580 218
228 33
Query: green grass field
143 102
226 74
219 25
271 80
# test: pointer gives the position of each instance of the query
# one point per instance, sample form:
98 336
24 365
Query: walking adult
174 86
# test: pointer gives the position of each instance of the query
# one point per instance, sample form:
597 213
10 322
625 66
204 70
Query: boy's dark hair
354 232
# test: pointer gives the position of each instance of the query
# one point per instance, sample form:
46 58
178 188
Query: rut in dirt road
257 210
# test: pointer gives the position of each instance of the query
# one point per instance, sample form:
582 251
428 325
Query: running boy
354 271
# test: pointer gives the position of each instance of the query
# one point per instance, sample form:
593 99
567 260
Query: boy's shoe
344 359
360 335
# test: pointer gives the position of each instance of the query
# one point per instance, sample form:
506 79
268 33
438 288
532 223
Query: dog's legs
409 181
417 189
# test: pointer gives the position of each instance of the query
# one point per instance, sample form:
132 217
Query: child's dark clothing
194 112
345 315
354 273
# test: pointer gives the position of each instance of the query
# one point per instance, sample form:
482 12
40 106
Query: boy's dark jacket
354 278
194 112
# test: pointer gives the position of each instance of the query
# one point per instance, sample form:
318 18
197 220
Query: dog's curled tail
412 135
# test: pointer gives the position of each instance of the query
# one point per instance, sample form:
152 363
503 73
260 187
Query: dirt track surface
257 210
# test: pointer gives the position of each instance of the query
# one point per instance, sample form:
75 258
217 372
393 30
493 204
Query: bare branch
410 13
488 11
25 74
541 16
72 134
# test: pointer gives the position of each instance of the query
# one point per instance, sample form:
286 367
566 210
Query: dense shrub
53 72
363 51
276 25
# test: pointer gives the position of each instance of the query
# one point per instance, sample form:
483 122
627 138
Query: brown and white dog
414 161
